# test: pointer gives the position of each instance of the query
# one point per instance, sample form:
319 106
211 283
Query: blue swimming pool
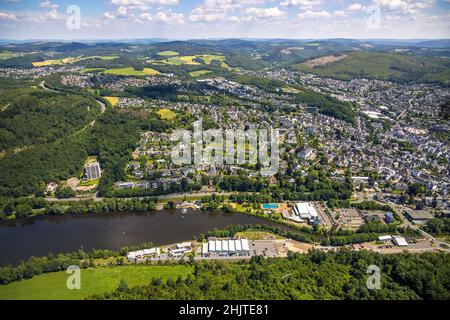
269 206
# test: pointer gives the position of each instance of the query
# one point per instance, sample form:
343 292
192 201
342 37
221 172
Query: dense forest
112 140
43 117
316 275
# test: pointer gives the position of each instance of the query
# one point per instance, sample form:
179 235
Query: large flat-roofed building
93 171
306 212
418 216
399 241
142 254
227 247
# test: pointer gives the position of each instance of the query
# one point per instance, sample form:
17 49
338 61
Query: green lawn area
70 60
93 70
257 235
52 286
199 73
168 53
131 72
167 114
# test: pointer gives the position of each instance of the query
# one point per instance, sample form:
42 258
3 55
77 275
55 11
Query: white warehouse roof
224 245
400 241
212 246
385 238
218 245
306 210
245 246
238 245
231 246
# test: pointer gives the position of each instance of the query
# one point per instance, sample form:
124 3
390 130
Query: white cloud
309 14
139 3
48 4
219 10
262 13
162 17
306 4
108 16
52 14
404 6
356 7
212 10
339 13
7 16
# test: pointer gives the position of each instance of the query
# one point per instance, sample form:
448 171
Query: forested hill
316 275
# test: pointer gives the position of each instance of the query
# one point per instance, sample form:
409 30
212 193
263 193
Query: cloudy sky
189 19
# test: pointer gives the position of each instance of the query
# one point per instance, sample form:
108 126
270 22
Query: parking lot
265 248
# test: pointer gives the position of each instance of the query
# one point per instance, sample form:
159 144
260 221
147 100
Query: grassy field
131 72
167 114
52 286
209 58
199 73
70 60
257 235
47 63
93 70
181 60
113 100
168 53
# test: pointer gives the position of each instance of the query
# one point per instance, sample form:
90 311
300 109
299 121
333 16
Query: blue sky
189 19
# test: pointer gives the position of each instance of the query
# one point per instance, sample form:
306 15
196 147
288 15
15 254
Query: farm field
180 60
52 286
93 70
199 73
167 114
324 60
257 235
70 60
113 100
131 72
168 53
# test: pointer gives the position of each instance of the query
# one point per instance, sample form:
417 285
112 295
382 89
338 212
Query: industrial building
226 247
399 241
305 211
180 249
387 238
142 254
418 216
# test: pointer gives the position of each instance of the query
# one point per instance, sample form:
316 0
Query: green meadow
52 286
199 73
131 72
168 53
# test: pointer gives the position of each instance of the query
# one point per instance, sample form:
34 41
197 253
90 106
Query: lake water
20 240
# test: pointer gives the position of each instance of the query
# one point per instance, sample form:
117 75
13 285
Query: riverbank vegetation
20 208
340 275
316 275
